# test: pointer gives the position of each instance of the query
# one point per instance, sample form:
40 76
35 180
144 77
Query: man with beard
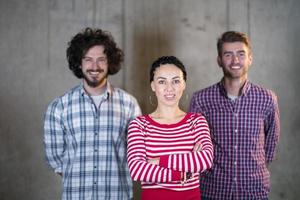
85 130
244 123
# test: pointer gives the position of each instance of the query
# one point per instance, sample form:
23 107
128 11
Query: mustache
231 65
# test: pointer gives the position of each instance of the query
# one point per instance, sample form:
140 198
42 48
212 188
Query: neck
234 86
168 113
93 91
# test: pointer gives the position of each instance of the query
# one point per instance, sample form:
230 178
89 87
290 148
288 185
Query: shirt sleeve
54 136
139 168
194 108
272 130
194 161
136 110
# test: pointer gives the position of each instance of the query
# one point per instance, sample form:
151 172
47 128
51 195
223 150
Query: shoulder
61 101
197 121
204 98
263 93
122 94
126 101
206 91
196 117
139 121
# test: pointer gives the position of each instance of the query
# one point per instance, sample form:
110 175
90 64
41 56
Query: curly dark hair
83 41
167 60
232 36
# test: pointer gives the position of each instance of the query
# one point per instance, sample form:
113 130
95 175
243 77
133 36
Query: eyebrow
91 57
240 51
160 77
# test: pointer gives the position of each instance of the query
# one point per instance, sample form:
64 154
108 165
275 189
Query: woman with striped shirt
168 148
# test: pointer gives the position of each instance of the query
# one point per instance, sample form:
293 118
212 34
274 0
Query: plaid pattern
88 144
244 133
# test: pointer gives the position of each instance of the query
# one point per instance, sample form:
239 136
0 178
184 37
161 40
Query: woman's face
168 84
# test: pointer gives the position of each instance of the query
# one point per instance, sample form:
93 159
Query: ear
250 59
184 85
152 86
219 60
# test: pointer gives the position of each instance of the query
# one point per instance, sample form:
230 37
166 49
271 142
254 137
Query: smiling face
168 85
235 60
94 67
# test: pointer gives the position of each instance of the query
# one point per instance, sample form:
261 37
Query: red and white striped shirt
173 144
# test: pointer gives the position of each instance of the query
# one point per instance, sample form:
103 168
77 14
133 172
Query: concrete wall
34 34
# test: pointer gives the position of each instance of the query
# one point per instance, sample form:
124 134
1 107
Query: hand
198 147
154 161
185 176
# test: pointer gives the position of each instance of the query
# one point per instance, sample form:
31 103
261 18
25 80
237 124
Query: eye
227 55
102 60
161 82
87 59
242 54
176 81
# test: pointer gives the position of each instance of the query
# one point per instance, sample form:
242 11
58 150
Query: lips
235 66
94 73
169 96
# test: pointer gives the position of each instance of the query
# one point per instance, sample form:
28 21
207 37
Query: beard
232 74
94 82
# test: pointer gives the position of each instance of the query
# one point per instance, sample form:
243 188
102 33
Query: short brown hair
232 36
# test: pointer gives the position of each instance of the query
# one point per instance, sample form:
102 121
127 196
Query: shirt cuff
163 161
58 170
176 176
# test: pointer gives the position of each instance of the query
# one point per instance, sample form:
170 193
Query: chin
171 103
93 83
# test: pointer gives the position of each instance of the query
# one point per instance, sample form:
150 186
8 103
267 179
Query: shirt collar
245 89
108 90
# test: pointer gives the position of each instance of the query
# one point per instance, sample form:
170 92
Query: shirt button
95 167
96 133
234 179
236 130
95 183
235 163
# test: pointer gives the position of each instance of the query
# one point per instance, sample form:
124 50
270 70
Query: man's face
94 67
235 60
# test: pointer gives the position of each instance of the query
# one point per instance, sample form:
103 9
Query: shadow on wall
148 47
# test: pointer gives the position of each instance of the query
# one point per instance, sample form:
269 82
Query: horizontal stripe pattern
173 144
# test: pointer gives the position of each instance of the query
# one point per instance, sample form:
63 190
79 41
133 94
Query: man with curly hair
85 129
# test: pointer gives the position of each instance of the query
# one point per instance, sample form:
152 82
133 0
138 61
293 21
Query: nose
236 59
169 87
95 65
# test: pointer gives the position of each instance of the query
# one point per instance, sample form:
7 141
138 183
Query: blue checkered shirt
244 132
87 144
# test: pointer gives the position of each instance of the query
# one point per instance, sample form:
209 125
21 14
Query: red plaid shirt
244 132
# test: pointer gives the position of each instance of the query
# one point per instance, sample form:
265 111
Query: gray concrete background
33 38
